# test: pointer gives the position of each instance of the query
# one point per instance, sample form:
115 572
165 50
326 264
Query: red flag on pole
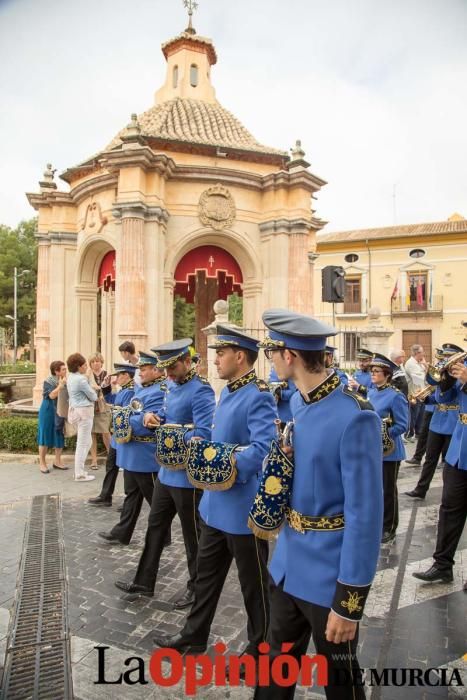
419 292
395 291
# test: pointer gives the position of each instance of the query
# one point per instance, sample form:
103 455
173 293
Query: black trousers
452 516
110 478
216 551
166 502
295 620
436 446
391 498
138 486
423 436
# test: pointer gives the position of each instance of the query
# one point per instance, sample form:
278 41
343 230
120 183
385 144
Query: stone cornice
62 237
301 178
288 226
48 199
143 157
139 210
89 187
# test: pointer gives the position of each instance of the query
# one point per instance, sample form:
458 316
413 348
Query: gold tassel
263 534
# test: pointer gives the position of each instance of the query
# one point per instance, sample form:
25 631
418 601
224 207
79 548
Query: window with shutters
353 294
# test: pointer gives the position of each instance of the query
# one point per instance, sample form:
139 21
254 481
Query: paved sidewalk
407 624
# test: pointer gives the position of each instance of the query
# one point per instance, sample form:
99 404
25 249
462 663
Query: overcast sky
375 89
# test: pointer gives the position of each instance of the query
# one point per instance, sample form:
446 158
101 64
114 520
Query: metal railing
402 305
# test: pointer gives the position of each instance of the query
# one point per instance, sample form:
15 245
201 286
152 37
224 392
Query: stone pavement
407 624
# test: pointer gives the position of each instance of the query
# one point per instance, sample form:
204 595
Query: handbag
63 402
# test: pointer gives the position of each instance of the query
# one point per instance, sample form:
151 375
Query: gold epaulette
203 380
361 401
261 385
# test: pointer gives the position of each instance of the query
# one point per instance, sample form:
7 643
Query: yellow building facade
410 281
184 199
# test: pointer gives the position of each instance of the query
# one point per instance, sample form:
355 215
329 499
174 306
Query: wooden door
423 338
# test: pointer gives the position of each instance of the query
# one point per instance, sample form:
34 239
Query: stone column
130 287
300 292
42 335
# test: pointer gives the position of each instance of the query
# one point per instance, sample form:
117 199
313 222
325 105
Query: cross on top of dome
191 6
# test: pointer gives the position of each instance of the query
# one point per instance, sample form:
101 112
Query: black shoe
99 501
108 537
133 591
186 600
413 462
435 575
179 642
415 494
387 537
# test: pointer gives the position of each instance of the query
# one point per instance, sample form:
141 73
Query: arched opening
202 276
175 77
106 306
194 75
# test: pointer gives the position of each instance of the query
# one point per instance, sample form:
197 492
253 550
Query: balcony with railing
420 307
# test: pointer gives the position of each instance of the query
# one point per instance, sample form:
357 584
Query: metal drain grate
38 659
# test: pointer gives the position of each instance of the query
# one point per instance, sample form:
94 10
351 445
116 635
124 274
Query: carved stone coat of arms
217 208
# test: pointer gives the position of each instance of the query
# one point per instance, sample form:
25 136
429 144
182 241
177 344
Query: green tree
184 318
18 248
235 309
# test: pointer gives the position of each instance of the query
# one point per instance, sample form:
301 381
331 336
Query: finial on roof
191 6
47 181
297 152
297 157
133 128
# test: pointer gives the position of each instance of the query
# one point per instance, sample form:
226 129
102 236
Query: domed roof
195 122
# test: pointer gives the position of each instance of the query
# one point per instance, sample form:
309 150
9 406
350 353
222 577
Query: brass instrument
435 371
388 442
423 394
284 437
276 388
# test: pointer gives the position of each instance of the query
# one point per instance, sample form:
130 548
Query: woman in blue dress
50 427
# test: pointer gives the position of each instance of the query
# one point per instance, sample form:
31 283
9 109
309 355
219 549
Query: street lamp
14 318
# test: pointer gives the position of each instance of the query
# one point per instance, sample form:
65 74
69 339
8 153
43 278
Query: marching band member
189 402
136 454
453 509
392 405
244 416
361 381
282 392
327 551
123 377
445 417
329 362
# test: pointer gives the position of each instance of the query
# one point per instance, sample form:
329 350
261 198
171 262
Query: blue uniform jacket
445 411
364 380
137 456
388 401
283 405
121 398
342 376
244 415
337 457
191 401
457 452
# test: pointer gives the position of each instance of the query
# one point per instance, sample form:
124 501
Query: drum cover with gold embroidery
121 427
171 450
267 514
211 465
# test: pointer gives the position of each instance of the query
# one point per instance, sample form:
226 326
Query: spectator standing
415 370
101 423
81 413
50 426
128 352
